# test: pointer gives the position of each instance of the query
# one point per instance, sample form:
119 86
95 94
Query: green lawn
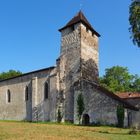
48 131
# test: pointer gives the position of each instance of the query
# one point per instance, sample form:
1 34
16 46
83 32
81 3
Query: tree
136 83
59 116
118 79
134 19
80 106
9 74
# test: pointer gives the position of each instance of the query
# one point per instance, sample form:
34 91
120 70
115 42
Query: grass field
48 131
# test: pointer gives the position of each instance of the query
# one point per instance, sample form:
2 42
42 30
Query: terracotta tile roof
126 95
80 18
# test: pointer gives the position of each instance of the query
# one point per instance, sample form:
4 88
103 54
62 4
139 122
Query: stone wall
69 71
36 108
89 54
100 108
134 116
78 59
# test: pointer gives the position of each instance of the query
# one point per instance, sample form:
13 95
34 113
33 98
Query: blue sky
29 37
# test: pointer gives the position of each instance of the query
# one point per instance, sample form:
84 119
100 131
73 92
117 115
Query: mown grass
51 131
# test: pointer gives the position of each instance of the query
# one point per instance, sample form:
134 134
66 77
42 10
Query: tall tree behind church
9 74
118 79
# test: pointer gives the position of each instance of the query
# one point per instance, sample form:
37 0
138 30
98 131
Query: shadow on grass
113 133
105 131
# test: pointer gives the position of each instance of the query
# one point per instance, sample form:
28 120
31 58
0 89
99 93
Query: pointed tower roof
77 19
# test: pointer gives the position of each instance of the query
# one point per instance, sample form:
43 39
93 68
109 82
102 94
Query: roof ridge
79 17
80 14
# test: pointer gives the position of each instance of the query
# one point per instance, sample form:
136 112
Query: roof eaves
112 95
81 21
49 68
130 97
77 19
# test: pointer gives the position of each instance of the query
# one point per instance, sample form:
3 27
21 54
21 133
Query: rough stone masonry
41 94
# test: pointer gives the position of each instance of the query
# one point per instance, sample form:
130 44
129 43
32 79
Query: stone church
41 94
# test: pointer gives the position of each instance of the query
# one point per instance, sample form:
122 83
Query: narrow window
87 29
72 28
46 91
8 96
26 94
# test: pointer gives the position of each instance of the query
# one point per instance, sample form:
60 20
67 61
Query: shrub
120 116
59 116
80 106
133 131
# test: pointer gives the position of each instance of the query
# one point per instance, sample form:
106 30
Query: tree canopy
118 79
9 74
134 19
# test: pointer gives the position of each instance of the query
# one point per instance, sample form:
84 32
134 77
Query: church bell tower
78 59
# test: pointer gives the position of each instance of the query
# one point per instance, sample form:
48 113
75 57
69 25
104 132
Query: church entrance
86 119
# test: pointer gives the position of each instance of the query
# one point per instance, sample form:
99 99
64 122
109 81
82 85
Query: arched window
26 94
46 91
8 96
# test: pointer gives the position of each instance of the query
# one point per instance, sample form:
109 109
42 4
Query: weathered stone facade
134 116
89 54
35 108
76 72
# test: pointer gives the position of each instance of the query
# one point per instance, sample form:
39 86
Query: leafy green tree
9 74
134 19
118 79
80 106
136 83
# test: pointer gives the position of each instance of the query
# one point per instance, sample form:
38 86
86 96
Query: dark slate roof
32 72
113 96
77 19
